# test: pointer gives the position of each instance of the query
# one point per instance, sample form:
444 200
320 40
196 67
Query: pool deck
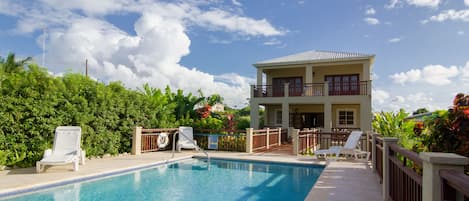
340 180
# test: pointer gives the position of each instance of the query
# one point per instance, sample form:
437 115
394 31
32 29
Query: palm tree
11 65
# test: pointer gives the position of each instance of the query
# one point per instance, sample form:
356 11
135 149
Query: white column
309 74
327 116
285 115
326 88
365 114
259 76
254 115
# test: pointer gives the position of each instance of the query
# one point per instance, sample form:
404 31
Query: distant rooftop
314 56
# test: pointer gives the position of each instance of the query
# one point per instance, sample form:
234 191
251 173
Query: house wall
321 71
337 107
284 72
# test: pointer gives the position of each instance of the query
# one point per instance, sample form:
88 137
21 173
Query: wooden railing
405 169
307 140
312 89
236 141
311 140
149 138
455 185
404 178
266 138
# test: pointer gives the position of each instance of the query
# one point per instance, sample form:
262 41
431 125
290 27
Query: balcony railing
313 89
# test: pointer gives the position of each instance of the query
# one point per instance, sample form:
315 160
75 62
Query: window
278 117
346 118
343 84
295 87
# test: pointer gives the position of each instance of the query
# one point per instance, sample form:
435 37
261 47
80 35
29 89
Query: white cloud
272 41
465 72
371 21
461 15
460 33
436 75
220 19
301 2
380 96
439 75
150 55
404 77
466 2
394 40
370 11
424 3
236 3
392 4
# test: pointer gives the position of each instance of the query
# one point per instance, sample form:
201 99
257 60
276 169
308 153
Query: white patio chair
350 148
66 149
186 139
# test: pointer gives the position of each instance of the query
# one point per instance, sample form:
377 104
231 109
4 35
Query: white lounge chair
66 149
186 139
350 148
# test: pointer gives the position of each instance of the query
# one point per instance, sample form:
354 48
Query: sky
421 46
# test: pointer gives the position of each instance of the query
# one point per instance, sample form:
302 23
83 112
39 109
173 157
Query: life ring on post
163 140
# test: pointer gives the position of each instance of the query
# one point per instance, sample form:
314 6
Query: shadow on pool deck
341 180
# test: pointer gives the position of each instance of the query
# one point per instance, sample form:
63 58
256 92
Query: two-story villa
314 89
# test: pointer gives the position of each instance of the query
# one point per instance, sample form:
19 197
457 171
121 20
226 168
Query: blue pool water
194 179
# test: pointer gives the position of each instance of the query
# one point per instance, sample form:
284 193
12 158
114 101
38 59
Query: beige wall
354 107
319 72
288 72
270 114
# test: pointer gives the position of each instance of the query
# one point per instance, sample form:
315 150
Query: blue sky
421 46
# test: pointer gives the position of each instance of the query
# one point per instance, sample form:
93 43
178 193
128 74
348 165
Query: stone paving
341 180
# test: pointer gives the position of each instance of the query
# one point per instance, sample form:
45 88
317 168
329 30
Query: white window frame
337 123
277 118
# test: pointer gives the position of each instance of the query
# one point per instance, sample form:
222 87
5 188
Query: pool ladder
190 140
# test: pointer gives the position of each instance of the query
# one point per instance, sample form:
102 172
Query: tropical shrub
447 131
390 124
33 103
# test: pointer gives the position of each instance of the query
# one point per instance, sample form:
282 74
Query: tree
11 65
420 111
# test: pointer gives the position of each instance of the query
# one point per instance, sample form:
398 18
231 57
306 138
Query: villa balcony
361 88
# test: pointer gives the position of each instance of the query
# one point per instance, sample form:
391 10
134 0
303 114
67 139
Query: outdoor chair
350 148
66 149
186 139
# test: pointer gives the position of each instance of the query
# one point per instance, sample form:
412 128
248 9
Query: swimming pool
194 179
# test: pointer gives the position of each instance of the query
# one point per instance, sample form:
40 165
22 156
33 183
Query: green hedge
33 103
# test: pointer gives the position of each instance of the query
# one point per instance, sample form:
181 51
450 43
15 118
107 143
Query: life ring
163 140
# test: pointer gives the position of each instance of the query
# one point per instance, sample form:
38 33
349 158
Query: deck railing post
249 132
386 142
267 140
432 164
137 141
279 136
295 139
373 152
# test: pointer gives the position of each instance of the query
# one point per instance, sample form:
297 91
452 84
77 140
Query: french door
343 84
295 87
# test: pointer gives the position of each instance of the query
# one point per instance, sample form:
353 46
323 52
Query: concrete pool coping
338 181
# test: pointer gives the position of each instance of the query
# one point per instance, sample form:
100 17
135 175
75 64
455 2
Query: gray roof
314 56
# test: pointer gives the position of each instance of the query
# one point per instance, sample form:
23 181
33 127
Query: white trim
337 122
276 118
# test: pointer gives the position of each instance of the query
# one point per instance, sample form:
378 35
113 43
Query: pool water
194 179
